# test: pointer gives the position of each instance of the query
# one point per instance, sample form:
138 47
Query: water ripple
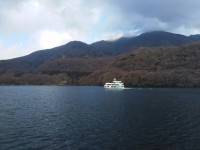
78 118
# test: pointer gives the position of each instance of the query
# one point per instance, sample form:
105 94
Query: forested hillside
165 67
151 59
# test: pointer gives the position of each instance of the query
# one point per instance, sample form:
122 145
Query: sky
30 25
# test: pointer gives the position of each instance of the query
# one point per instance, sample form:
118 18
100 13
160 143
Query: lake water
94 118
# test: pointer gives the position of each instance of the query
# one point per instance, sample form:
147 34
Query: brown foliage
160 67
147 67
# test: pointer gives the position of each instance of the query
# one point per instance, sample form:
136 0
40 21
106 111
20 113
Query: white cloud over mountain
30 25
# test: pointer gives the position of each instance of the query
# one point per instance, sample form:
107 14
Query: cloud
49 39
42 24
13 50
45 24
159 14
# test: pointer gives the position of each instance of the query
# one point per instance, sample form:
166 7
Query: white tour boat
115 84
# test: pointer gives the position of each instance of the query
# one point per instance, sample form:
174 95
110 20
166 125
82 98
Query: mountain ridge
136 41
77 62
